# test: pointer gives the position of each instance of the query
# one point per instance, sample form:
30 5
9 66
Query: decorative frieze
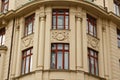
27 41
60 36
93 42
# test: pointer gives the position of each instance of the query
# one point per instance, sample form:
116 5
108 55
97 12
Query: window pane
30 64
0 39
66 60
60 22
3 40
91 28
27 65
30 28
23 65
28 52
61 12
59 60
118 43
66 22
60 46
53 46
96 66
54 22
53 60
92 65
66 47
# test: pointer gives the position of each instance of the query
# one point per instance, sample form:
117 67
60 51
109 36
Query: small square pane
60 46
66 47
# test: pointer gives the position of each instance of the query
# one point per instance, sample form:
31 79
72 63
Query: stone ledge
3 47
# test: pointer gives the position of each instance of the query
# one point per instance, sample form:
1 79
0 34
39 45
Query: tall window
29 24
59 56
60 19
4 7
118 37
93 61
117 7
91 26
2 36
27 60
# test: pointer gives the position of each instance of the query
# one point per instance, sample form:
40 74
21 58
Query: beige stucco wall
43 36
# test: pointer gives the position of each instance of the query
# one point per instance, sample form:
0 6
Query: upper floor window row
29 25
60 19
117 7
118 37
91 25
4 6
2 36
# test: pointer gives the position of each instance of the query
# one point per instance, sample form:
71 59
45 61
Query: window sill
96 76
27 35
3 47
60 29
60 70
93 36
26 74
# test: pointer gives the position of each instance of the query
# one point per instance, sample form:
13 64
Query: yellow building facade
59 40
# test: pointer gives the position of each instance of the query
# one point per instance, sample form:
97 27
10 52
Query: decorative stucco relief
27 42
60 36
93 42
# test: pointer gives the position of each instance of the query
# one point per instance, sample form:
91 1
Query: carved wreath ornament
60 36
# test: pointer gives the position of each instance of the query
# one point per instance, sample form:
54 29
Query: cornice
88 6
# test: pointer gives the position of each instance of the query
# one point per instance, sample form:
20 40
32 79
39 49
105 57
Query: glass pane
30 27
23 65
95 31
66 60
118 43
6 1
92 65
91 52
60 22
66 47
59 60
53 46
96 66
26 30
0 39
53 60
28 52
27 65
3 40
87 25
66 20
31 64
60 12
54 20
91 28
60 46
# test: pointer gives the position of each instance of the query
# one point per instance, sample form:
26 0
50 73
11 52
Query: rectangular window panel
27 61
60 19
4 6
118 37
2 36
59 60
53 60
59 56
117 7
91 26
93 62
66 60
29 24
